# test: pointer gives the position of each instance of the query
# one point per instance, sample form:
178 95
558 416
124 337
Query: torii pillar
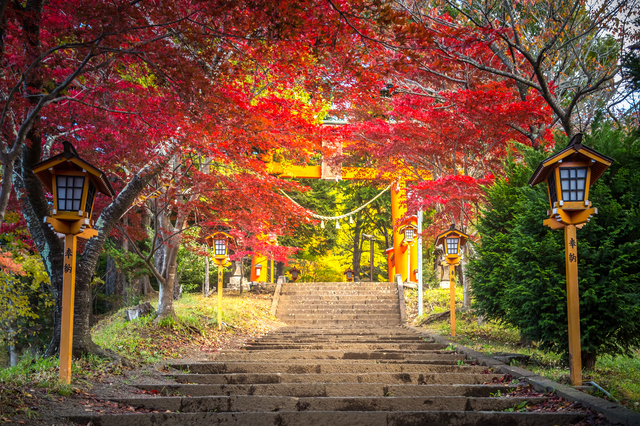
398 210
391 265
258 259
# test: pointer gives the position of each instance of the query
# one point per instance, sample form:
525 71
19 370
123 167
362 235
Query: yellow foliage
15 291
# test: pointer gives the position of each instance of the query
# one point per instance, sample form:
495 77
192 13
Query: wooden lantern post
74 184
568 175
220 242
452 241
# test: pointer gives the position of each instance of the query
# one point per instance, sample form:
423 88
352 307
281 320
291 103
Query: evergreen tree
519 272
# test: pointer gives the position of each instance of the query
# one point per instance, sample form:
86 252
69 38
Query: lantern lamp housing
295 274
349 274
451 242
409 232
73 183
220 242
569 174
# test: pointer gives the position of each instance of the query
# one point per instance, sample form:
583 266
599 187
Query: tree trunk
165 297
142 285
588 360
5 188
115 281
147 289
177 287
13 350
205 286
357 248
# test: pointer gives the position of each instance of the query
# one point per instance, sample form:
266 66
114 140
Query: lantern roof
452 231
209 238
69 160
409 225
574 152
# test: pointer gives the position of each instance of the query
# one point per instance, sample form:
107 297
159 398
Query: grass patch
195 324
36 372
141 341
619 375
435 300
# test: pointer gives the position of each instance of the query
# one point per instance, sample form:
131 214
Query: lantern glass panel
553 194
452 245
220 247
408 234
91 193
573 181
69 191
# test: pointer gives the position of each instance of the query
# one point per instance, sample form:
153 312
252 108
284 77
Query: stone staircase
335 365
350 304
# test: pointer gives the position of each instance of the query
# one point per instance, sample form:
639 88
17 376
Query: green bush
519 272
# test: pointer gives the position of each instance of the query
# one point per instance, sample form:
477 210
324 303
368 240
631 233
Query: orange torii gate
399 260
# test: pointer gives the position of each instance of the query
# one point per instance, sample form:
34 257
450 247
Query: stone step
333 342
329 312
252 403
349 316
320 367
389 331
372 286
318 418
305 302
334 307
340 323
341 339
338 292
329 389
344 284
364 309
386 378
337 355
353 298
349 346
364 361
